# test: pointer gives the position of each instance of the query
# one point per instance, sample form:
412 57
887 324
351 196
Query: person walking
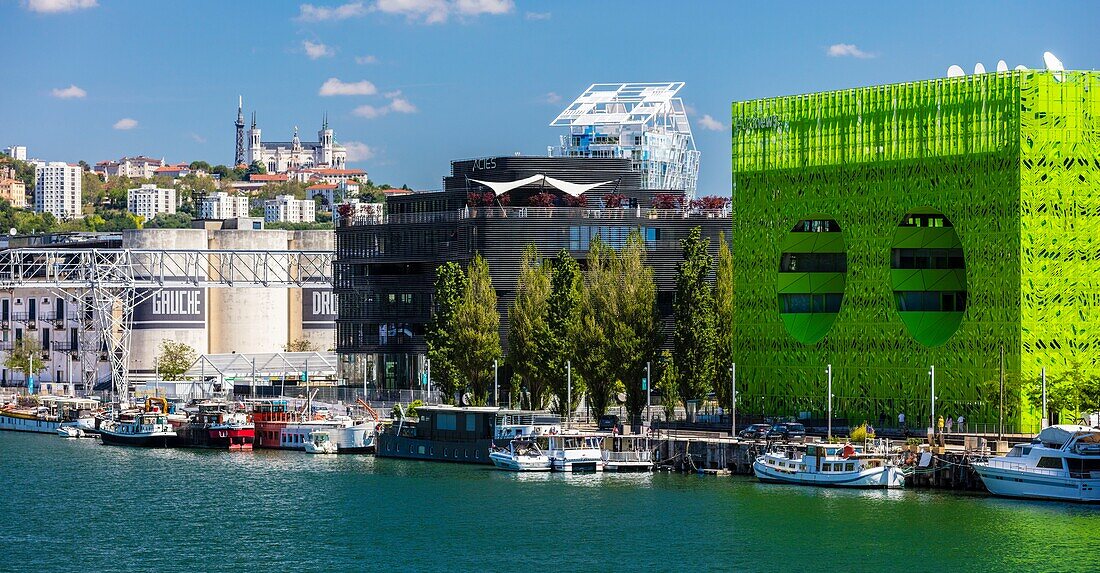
950 422
901 420
961 421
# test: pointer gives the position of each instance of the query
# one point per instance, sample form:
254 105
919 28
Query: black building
385 268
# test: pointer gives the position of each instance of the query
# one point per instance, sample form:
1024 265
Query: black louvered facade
385 270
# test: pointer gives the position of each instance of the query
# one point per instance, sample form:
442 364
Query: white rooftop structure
644 122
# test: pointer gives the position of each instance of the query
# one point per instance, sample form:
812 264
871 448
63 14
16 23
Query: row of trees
597 330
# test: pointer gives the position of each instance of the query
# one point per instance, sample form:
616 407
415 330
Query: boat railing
1016 466
643 456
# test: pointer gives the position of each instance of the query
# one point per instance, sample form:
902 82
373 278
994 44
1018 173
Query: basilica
284 156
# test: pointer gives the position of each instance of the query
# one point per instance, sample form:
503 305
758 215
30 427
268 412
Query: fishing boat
217 425
829 465
45 414
521 455
141 429
1062 463
576 452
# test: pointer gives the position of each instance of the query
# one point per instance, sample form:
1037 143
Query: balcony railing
563 213
64 346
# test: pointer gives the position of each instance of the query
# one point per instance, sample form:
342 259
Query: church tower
255 148
324 137
239 157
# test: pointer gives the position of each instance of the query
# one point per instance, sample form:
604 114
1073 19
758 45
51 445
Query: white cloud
402 105
358 151
710 124
847 50
537 15
397 104
311 13
335 87
317 50
362 60
125 123
198 138
438 11
58 6
552 97
68 93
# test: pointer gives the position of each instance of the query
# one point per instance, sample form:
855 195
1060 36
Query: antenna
955 71
1002 66
979 68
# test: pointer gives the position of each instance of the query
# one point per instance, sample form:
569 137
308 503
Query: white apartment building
57 189
139 167
222 205
16 152
287 209
149 200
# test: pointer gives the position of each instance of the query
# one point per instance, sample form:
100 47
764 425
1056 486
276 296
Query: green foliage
636 335
477 330
410 412
667 384
291 226
25 222
1072 390
695 337
563 315
529 326
174 359
860 434
199 166
590 343
450 284
26 356
300 345
173 221
723 321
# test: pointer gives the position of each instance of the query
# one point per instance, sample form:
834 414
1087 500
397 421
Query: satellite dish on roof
979 68
1054 65
955 71
1002 66
1021 68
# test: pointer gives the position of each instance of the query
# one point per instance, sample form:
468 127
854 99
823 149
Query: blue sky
436 80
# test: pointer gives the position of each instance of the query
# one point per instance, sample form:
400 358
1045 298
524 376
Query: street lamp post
829 391
496 386
568 391
733 400
648 394
1045 421
932 374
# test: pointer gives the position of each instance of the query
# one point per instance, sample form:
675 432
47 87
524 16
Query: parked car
755 432
610 422
787 431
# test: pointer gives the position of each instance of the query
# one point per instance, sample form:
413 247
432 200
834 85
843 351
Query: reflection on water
193 510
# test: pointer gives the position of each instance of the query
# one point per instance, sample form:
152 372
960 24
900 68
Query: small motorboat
1063 463
829 465
320 442
521 455
70 430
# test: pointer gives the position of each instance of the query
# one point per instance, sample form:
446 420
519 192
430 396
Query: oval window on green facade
813 265
928 276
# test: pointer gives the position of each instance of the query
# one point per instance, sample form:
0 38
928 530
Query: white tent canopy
574 189
264 364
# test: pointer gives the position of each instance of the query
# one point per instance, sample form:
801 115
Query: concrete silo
312 311
248 320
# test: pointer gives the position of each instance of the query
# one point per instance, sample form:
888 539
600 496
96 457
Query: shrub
542 199
667 201
613 200
860 433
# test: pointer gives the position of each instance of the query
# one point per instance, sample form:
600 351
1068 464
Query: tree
166 221
477 330
529 326
636 329
589 342
723 320
695 340
1072 390
563 314
174 359
667 385
26 356
199 166
450 284
299 345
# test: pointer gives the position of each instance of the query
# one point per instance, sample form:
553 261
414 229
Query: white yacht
347 435
633 453
829 465
575 453
1062 463
320 442
521 455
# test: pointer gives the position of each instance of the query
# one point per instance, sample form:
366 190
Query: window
471 423
1050 463
446 422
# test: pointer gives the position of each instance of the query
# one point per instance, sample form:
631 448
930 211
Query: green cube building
898 229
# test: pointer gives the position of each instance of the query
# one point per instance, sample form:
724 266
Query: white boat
632 453
347 435
44 413
521 455
70 430
829 465
320 443
575 453
1062 463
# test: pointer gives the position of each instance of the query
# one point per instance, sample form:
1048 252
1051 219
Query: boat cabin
452 423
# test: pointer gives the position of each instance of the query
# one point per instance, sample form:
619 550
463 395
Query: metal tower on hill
239 158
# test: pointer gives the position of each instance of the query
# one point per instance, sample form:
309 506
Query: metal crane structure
109 283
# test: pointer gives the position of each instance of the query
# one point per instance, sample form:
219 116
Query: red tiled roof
6 181
320 186
267 177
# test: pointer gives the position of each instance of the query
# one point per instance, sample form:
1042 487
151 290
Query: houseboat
141 429
269 417
829 465
216 425
632 453
460 434
576 452
1062 463
347 435
46 414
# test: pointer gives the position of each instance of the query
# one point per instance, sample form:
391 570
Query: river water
80 506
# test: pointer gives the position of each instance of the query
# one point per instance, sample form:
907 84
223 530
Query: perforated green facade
1004 167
